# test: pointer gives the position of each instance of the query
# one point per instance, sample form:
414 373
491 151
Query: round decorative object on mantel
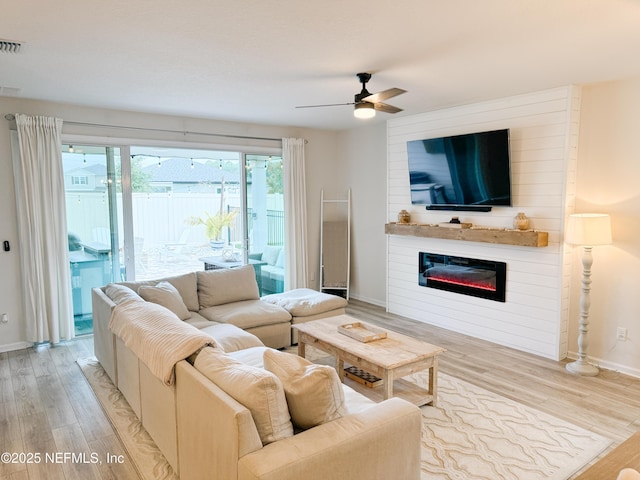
404 216
521 221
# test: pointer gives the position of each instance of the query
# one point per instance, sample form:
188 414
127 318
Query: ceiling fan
365 103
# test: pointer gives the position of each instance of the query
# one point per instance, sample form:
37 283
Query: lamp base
582 368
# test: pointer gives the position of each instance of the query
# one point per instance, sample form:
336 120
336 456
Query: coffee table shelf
401 388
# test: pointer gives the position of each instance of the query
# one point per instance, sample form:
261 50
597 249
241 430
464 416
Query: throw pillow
255 388
186 284
120 294
270 254
314 392
166 295
218 287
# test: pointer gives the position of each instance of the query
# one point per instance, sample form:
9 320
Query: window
93 219
182 206
79 180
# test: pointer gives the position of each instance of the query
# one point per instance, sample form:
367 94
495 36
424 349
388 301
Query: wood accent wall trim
523 238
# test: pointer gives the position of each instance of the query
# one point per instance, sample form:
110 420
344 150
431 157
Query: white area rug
472 434
476 434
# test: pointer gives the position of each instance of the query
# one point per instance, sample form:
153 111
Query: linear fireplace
468 276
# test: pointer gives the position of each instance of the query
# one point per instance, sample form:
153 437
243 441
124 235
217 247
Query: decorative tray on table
362 332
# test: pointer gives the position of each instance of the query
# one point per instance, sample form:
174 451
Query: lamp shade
364 110
589 229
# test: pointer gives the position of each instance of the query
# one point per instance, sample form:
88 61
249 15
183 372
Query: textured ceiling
255 60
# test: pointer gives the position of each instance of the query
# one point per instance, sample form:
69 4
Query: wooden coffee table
389 358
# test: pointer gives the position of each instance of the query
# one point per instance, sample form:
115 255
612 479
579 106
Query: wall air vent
10 46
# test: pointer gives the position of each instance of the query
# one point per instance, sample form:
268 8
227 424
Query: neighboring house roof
180 170
95 169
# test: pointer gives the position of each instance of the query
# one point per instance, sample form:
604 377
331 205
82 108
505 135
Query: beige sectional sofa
235 408
203 299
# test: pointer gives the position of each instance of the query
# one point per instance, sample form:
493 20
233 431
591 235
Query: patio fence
159 218
275 226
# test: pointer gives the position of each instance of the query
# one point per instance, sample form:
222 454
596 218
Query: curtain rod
10 117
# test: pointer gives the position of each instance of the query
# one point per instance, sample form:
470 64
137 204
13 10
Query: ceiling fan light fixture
364 110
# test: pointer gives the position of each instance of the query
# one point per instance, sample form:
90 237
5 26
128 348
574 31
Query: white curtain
42 224
295 204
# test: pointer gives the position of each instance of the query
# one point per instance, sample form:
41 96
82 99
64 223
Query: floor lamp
588 230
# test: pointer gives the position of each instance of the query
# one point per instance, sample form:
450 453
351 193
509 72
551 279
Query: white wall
543 128
321 165
363 164
608 181
608 175
12 334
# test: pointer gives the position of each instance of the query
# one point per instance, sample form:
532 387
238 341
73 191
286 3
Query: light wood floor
46 405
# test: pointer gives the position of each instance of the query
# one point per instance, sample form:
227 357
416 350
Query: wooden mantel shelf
523 238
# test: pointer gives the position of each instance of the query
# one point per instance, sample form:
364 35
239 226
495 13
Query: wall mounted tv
462 172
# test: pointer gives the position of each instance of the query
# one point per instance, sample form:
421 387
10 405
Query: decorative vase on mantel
404 217
520 221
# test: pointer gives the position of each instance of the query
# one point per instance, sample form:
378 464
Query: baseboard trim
372 301
616 367
10 347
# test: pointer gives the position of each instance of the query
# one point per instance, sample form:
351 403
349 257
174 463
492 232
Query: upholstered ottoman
305 304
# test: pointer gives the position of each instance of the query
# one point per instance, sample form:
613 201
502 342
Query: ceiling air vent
10 46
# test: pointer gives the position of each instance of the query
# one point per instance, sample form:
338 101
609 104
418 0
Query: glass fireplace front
467 276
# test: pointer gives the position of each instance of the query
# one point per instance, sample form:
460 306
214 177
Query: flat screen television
461 172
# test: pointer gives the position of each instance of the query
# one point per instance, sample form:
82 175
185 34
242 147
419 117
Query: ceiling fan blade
383 107
327 105
384 95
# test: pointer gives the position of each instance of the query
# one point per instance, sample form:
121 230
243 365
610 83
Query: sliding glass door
160 211
265 220
94 222
186 207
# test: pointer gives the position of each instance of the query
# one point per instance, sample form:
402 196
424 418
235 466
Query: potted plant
213 226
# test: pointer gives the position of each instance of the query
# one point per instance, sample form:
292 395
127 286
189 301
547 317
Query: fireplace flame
491 288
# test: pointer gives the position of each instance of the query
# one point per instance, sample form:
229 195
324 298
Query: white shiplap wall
544 137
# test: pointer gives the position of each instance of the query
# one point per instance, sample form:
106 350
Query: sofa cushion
166 295
219 287
354 401
314 392
247 314
199 321
270 254
186 284
120 294
253 356
303 302
230 338
255 388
